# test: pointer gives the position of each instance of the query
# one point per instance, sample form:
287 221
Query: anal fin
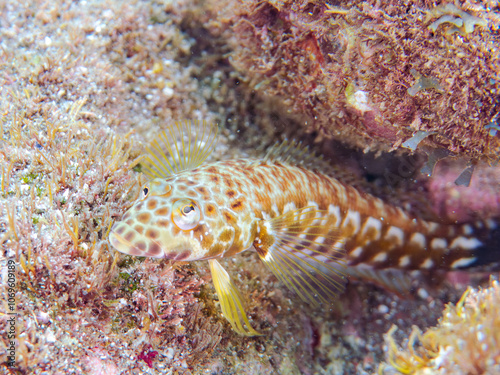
230 299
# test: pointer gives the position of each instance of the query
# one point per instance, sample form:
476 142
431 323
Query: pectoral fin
298 247
230 300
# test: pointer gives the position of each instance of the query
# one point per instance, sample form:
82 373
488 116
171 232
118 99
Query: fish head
168 221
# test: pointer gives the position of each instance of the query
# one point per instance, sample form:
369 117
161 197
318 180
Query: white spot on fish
356 252
275 209
428 263
382 257
465 243
431 226
335 211
268 226
354 218
467 230
289 207
339 244
404 261
395 234
319 240
418 239
438 244
371 222
463 262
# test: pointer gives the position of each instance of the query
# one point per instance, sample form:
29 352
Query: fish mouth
138 247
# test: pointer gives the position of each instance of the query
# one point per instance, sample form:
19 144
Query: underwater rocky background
84 86
373 73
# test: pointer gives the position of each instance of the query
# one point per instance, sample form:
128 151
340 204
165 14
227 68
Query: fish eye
187 209
185 214
145 191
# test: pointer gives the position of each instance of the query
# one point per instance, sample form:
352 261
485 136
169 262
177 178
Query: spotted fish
310 229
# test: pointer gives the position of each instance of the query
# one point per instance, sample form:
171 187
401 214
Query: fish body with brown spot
228 220
309 228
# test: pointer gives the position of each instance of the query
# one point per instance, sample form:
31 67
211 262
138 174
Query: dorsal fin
293 152
182 146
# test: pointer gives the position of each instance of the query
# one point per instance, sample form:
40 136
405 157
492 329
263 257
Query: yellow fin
230 300
301 254
182 146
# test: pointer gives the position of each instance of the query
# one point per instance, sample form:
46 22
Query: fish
310 229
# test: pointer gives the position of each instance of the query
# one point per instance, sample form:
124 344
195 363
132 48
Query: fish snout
129 241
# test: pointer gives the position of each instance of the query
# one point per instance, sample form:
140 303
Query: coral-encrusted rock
372 75
466 340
